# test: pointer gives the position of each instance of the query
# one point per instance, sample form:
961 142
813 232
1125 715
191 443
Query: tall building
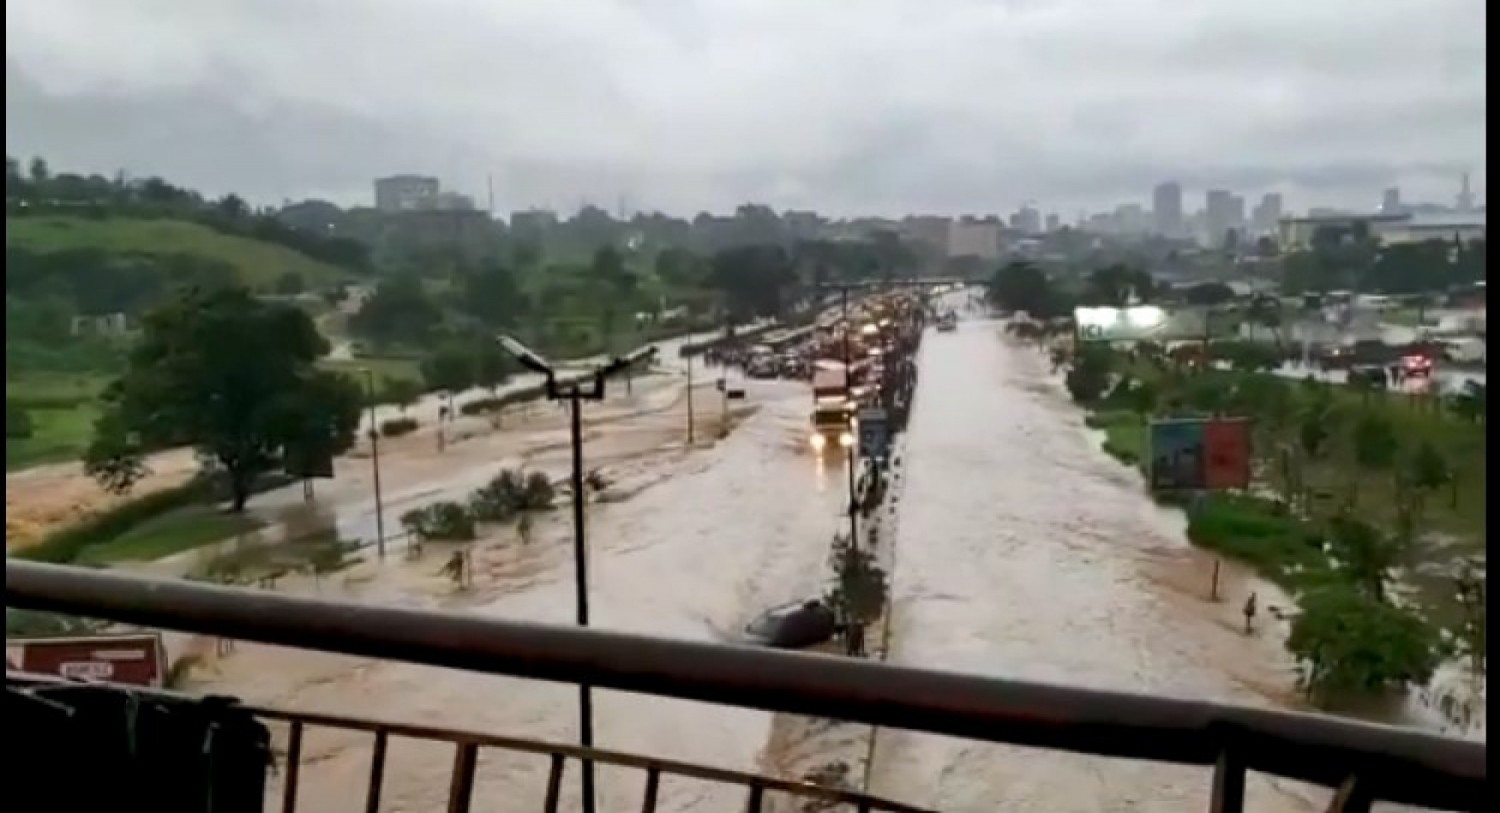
1218 215
974 238
1166 209
1054 222
1465 196
1267 214
1028 220
1390 202
405 193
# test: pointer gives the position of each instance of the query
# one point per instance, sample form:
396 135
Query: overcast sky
848 106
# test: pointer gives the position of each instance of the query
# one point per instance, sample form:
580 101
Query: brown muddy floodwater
1024 552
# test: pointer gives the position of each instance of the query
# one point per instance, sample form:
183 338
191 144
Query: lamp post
375 463
587 387
848 401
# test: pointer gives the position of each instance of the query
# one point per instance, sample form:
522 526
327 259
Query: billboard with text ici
1137 323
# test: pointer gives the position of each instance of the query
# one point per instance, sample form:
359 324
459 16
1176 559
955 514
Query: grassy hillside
258 264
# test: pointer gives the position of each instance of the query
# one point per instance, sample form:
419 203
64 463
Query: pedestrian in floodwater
1250 614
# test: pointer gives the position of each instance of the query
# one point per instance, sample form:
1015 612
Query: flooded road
696 543
1025 552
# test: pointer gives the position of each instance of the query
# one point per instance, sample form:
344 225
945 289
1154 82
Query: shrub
445 521
396 427
17 421
538 493
1259 532
1346 642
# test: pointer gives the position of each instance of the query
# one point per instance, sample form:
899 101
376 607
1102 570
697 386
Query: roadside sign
1199 454
874 433
735 395
138 659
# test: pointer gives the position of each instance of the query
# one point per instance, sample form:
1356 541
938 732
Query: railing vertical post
1229 784
293 765
653 783
1353 796
554 784
757 798
461 788
377 773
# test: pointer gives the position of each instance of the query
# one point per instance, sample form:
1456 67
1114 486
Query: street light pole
848 399
574 393
581 579
375 464
690 399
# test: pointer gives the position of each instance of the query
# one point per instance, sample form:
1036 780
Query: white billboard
1137 323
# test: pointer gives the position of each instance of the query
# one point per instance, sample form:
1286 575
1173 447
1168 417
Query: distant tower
1465 196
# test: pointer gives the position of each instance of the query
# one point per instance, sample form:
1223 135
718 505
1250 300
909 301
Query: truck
831 408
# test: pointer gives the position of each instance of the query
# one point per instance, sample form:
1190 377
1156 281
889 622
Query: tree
39 172
1089 377
399 311
451 367
1469 404
441 521
1021 286
860 590
1208 293
1364 553
1118 285
752 280
17 421
114 457
490 294
1346 642
233 377
1429 471
1375 446
403 392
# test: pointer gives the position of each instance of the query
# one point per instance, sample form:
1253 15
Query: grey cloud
874 106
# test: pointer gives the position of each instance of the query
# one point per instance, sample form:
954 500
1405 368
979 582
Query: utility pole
690 399
849 425
375 464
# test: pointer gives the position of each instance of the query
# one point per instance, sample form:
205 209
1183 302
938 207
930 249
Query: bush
396 427
1346 642
446 521
63 546
1260 532
17 421
510 493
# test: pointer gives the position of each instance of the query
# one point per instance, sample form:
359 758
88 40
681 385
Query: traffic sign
874 433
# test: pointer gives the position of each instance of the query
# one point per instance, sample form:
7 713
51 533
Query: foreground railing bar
649 764
1229 784
293 767
554 784
648 799
500 742
1408 766
1351 797
377 772
461 787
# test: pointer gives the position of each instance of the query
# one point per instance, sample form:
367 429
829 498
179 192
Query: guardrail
1362 762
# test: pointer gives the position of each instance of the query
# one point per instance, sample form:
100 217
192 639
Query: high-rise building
1267 214
1028 220
1054 221
1390 202
1465 196
405 193
1166 209
1218 215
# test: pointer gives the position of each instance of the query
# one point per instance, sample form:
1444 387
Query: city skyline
685 106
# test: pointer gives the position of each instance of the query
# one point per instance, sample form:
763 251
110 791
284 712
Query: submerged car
793 626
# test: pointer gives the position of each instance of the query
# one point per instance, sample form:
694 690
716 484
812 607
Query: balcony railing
1361 762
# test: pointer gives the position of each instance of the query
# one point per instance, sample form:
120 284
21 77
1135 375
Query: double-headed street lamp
586 387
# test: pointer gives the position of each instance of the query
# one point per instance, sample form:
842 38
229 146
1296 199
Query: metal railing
1362 762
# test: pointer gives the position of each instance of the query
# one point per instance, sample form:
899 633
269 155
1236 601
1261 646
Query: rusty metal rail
466 748
1361 762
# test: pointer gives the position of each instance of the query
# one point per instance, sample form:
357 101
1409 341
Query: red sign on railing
137 659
